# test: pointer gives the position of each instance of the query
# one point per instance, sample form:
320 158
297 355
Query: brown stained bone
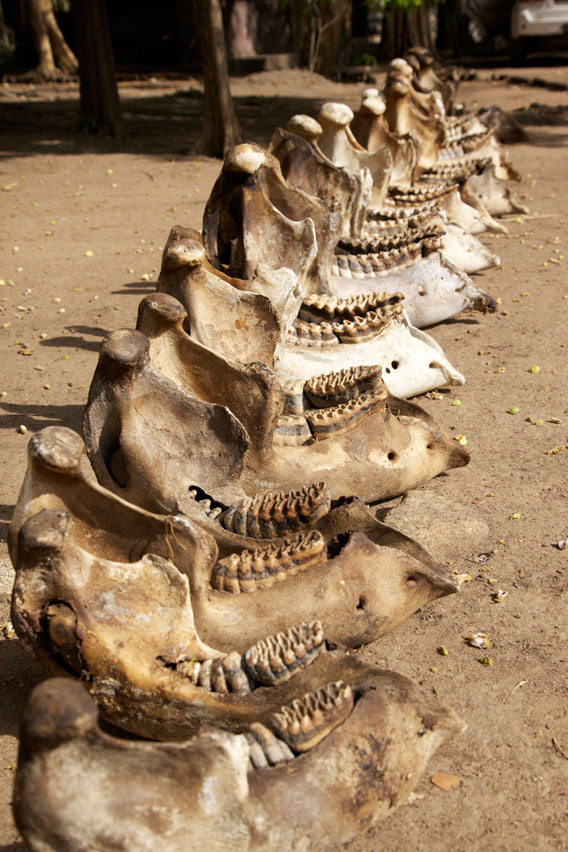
254 218
83 613
146 665
304 166
340 146
146 435
72 779
154 438
250 391
404 117
222 310
370 129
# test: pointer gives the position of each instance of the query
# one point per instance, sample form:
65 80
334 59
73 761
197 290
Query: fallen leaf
445 781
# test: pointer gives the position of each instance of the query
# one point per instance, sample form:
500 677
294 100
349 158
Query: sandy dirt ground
83 226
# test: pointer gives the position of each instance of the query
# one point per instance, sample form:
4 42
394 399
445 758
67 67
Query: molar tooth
306 721
278 513
218 680
278 657
271 746
235 676
256 754
205 674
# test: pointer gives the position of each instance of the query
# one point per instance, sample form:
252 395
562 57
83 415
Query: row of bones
233 441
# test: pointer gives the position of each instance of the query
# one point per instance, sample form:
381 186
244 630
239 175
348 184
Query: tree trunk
100 105
52 49
402 29
220 129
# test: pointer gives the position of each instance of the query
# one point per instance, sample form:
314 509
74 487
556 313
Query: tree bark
220 129
402 29
53 51
100 105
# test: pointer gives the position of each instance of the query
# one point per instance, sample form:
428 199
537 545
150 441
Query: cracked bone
96 532
338 143
156 426
246 208
370 129
305 167
222 791
494 193
421 364
433 288
132 625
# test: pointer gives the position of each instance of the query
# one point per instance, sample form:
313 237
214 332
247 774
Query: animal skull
77 786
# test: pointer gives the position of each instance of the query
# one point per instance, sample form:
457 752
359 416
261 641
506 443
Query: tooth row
265 749
318 334
222 675
374 263
390 210
357 330
387 241
275 659
340 418
470 142
340 387
205 505
306 721
251 570
273 515
427 192
338 309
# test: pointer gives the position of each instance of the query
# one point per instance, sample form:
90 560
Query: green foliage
408 6
364 59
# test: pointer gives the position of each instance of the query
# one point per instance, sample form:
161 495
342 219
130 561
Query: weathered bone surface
433 288
404 117
304 166
153 401
302 573
338 143
494 193
133 627
78 788
370 129
421 364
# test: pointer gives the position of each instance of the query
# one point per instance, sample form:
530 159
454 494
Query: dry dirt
83 225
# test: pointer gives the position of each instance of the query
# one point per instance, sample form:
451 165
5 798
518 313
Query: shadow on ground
163 126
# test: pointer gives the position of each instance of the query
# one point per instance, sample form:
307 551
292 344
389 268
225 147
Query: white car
538 18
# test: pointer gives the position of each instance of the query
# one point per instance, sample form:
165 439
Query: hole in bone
199 494
412 580
430 446
387 369
336 545
362 602
117 468
433 365
394 365
392 456
422 292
